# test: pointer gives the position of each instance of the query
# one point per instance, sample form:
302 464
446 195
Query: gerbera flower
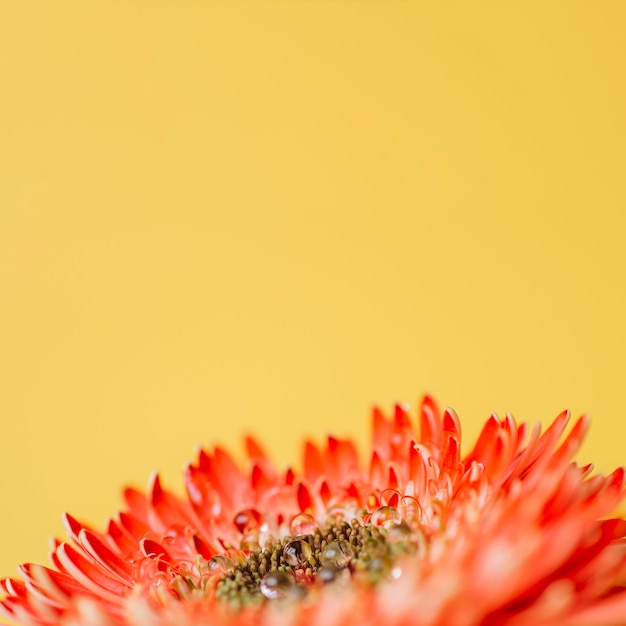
512 533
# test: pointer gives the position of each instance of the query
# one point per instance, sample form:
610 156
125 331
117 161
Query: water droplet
297 552
302 524
219 565
332 574
250 541
399 533
299 592
276 585
175 537
376 565
336 554
248 518
343 512
385 516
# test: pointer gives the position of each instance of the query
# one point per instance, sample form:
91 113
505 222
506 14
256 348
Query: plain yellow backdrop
218 218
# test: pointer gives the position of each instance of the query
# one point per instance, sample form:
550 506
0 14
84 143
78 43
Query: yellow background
267 216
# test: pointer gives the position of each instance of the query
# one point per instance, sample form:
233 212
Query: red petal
92 577
105 557
451 424
204 461
13 587
394 482
418 472
121 539
352 491
451 457
254 450
377 471
135 528
325 492
548 440
289 477
259 481
430 422
153 549
313 462
482 448
201 547
304 498
72 526
382 429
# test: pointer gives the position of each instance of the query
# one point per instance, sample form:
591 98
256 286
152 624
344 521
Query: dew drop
336 554
246 519
343 512
175 538
376 565
302 524
399 533
250 540
219 565
297 552
276 585
330 574
385 516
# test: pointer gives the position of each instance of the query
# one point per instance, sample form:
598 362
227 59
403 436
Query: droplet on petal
276 585
176 537
385 516
246 519
336 554
297 552
219 565
343 512
250 540
302 524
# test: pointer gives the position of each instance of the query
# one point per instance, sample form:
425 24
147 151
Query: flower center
297 565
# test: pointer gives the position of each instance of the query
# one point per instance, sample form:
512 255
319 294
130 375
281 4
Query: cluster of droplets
333 566
329 565
352 544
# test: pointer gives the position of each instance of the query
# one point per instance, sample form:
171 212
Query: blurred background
220 218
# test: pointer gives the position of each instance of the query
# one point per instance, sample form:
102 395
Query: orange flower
513 533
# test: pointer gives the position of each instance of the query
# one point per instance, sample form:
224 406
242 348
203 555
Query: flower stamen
298 564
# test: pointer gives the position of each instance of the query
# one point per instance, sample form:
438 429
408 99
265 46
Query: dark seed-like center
294 565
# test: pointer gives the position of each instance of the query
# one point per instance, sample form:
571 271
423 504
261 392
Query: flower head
514 533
